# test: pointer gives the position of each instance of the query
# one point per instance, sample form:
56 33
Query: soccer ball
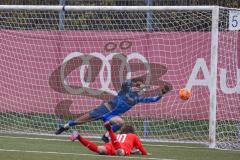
184 94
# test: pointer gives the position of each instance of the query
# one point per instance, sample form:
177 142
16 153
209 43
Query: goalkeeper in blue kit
127 97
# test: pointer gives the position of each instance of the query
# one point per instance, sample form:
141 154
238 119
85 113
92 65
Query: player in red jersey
120 144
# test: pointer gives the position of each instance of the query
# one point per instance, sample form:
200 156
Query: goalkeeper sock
113 137
90 145
115 127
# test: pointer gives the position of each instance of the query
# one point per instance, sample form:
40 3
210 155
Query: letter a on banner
193 81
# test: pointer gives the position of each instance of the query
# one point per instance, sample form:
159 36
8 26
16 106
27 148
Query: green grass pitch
60 148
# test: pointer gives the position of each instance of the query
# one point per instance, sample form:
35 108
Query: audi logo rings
105 79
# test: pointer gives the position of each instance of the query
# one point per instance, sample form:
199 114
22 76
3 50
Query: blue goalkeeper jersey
125 100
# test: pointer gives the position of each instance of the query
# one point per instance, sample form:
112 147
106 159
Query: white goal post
45 80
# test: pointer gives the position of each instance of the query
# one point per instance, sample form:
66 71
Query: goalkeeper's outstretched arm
142 99
163 91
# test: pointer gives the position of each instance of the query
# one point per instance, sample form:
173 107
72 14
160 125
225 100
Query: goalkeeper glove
165 89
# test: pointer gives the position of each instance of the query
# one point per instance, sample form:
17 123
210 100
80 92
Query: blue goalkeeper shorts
98 112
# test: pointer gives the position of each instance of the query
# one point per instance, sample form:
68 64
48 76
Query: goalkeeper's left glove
166 88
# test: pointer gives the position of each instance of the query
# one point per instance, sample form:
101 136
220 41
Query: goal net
58 64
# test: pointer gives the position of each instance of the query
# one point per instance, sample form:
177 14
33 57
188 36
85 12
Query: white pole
137 8
104 8
213 89
31 7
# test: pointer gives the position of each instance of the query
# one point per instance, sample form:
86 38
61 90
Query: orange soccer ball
184 94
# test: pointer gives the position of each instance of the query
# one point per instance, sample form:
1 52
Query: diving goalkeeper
128 96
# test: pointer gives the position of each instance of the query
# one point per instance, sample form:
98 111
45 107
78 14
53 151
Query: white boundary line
145 144
63 140
34 138
78 154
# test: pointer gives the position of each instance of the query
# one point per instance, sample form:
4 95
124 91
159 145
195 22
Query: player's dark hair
138 79
127 129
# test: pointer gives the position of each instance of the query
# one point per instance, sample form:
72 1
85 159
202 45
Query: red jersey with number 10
128 142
